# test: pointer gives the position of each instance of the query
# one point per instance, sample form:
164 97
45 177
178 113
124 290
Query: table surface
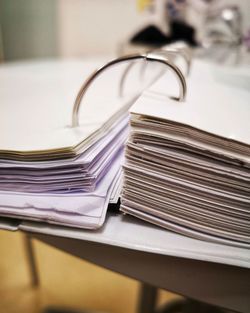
128 232
208 272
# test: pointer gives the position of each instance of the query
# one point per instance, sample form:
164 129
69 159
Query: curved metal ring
125 74
149 57
169 51
123 78
182 46
175 52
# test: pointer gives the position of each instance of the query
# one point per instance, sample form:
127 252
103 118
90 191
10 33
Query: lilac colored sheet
83 160
75 175
68 183
85 210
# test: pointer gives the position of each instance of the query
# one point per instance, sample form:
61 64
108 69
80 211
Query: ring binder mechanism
150 57
170 52
178 49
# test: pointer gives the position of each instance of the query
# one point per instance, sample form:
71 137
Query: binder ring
152 57
168 52
182 47
172 51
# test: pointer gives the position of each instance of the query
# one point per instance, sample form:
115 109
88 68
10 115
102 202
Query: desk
158 257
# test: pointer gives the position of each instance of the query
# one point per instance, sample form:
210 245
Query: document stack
49 170
57 165
187 163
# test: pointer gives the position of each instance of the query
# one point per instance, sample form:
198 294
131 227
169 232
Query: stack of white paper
187 163
49 170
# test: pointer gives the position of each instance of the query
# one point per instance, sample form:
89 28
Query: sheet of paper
36 117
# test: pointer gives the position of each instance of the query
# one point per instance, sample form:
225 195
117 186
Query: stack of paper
49 170
187 164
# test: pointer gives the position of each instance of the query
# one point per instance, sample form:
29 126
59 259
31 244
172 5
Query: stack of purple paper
73 192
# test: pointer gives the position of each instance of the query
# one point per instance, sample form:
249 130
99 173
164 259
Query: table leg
31 260
147 298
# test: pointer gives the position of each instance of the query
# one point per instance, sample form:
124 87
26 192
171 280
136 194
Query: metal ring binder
169 51
123 78
125 74
182 46
172 51
152 57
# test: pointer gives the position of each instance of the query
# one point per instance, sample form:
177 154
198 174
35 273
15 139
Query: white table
207 272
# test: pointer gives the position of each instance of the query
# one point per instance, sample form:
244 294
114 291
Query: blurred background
33 29
78 28
62 28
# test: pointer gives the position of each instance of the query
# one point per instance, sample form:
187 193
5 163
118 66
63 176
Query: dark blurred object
189 306
153 36
114 207
183 32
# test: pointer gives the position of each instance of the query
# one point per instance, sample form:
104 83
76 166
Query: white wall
88 27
